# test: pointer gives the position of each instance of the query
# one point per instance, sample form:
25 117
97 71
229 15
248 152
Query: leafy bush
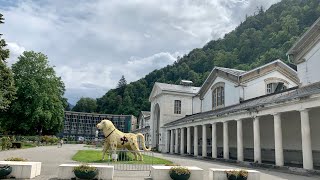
235 174
179 170
6 143
15 159
84 168
49 139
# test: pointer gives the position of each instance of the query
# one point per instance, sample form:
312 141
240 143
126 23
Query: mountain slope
258 40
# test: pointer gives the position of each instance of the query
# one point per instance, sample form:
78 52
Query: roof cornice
305 42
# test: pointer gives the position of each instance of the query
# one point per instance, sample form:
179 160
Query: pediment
155 92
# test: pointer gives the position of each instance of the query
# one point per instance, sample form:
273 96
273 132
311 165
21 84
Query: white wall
196 105
257 87
167 112
308 71
231 94
166 104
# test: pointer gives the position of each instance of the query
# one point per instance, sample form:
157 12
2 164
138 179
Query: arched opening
157 124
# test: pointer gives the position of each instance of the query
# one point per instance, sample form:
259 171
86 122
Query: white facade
266 115
163 97
245 85
306 55
232 92
309 69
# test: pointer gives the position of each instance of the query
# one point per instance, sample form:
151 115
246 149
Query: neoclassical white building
270 114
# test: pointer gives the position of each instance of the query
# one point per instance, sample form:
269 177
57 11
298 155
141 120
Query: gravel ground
52 156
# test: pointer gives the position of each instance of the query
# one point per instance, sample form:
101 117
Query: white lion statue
116 139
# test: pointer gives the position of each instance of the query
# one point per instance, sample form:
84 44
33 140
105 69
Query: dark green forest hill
261 38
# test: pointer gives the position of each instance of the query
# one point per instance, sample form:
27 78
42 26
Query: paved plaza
51 157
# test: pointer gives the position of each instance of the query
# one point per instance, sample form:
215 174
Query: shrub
6 143
49 139
179 170
237 175
84 168
243 173
15 159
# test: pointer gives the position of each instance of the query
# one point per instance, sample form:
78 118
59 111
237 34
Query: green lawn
28 145
94 156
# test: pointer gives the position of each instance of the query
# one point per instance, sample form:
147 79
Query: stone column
278 149
306 140
256 140
214 140
239 140
182 141
171 142
189 140
204 140
168 141
195 141
225 140
176 143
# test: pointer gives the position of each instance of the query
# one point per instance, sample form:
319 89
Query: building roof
147 128
306 41
145 113
159 88
177 88
235 72
238 76
287 95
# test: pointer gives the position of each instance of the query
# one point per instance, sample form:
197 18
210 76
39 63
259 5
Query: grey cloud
92 43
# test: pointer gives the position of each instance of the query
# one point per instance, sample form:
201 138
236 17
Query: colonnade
279 159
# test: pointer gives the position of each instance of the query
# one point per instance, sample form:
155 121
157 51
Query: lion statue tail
143 142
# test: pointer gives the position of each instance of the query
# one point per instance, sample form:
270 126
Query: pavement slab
52 156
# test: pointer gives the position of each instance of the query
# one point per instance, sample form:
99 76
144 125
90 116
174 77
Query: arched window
275 85
218 96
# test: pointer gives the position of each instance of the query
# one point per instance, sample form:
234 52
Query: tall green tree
39 107
7 88
122 82
88 105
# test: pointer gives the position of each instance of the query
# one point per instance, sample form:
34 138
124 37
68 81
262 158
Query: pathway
51 157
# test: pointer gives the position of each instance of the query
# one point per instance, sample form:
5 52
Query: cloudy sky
92 43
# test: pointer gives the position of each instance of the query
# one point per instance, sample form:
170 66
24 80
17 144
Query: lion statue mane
115 139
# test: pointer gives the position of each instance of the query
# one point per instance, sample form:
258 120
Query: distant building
144 126
79 125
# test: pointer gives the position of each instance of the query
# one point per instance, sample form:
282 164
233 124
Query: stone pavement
51 157
205 164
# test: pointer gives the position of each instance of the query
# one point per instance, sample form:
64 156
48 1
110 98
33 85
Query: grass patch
93 156
28 145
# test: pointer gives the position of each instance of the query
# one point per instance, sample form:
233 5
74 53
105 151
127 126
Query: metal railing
126 160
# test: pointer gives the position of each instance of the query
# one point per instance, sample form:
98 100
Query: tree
88 105
122 82
258 40
7 88
39 107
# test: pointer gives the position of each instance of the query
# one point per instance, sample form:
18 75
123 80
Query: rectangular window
214 94
219 96
177 106
269 88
